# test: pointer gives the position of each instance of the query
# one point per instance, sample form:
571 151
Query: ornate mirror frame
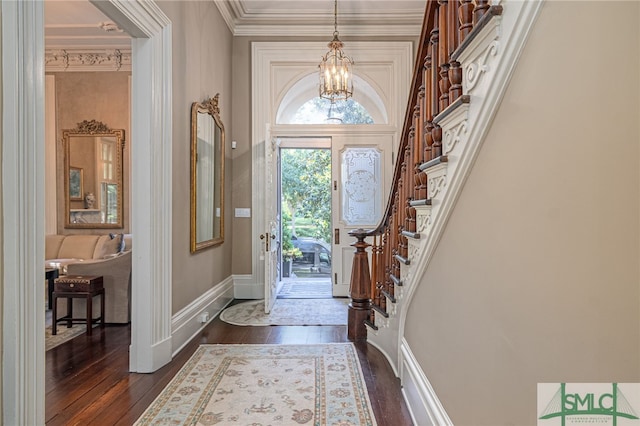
207 175
86 217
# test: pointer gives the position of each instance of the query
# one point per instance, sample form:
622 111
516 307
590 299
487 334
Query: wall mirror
207 175
93 175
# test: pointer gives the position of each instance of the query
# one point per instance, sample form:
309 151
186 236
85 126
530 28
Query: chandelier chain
335 18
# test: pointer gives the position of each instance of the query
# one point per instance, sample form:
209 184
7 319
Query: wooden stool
50 274
78 286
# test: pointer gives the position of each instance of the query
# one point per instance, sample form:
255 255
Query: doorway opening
305 206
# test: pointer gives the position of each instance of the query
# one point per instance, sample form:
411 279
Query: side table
78 286
50 274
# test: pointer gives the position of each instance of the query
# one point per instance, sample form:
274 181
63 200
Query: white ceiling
78 23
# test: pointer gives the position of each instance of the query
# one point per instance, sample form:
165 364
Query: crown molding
242 22
311 30
87 60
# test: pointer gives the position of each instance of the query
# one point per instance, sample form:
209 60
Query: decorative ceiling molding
244 18
312 30
87 60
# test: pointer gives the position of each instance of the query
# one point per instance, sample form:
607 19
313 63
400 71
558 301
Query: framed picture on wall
75 183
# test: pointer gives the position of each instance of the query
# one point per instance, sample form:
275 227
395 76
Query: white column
22 212
151 176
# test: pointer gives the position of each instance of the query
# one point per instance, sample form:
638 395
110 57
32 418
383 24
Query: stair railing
448 26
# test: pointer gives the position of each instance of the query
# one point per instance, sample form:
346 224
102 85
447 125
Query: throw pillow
110 246
122 244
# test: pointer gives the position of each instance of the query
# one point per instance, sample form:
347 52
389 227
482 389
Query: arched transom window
302 105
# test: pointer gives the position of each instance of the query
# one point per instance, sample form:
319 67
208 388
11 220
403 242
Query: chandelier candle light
336 82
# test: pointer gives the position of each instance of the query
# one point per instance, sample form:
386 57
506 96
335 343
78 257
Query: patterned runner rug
288 312
265 385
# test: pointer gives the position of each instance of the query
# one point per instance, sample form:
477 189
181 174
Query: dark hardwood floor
88 383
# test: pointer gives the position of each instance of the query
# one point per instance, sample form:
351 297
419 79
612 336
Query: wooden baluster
396 265
443 55
409 177
383 259
359 289
437 65
428 107
481 8
395 234
387 263
421 152
380 269
453 26
401 203
435 91
418 154
465 16
455 76
436 133
417 150
374 269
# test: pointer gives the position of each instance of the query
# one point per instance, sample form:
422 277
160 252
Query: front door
271 237
361 167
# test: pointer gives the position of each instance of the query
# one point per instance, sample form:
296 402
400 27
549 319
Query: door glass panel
361 195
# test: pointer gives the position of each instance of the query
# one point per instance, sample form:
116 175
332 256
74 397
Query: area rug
265 385
288 312
64 334
305 289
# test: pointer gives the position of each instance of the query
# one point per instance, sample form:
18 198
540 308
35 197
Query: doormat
288 312
266 385
305 289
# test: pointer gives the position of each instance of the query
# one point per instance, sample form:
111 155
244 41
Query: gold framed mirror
207 175
93 175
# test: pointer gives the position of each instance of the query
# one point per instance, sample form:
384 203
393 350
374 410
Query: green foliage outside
316 111
306 195
289 252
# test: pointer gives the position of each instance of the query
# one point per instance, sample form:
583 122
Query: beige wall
201 68
536 276
101 96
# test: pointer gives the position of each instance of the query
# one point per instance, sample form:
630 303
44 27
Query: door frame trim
268 58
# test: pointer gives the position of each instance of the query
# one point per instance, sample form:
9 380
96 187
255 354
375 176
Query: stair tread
381 311
425 202
388 296
397 281
434 162
413 235
370 324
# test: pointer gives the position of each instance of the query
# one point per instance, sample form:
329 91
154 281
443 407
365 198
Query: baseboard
424 405
187 323
245 287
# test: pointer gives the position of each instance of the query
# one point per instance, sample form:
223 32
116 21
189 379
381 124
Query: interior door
361 171
271 236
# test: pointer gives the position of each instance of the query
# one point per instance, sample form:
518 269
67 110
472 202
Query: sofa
106 255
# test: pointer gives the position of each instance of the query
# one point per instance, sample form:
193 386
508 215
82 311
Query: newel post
360 288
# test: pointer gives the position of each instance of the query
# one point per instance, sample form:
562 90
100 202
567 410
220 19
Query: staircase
466 54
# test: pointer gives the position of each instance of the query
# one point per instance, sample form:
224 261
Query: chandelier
336 80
